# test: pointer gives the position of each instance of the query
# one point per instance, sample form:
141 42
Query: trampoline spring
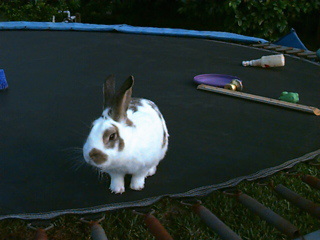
311 181
97 232
294 51
213 222
260 45
210 219
272 47
306 53
41 235
301 202
283 49
153 224
269 216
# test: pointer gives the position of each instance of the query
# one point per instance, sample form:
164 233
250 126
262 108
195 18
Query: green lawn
182 223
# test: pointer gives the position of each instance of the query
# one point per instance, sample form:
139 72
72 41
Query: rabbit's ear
108 91
122 100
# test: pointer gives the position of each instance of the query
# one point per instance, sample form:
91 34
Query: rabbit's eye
112 137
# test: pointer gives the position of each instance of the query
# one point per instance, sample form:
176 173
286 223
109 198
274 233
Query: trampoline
55 92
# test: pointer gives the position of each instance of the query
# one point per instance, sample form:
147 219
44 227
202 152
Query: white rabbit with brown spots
130 137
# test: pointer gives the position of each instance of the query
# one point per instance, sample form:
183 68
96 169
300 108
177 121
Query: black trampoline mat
55 81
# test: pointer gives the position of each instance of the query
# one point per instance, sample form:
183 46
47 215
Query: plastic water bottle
266 61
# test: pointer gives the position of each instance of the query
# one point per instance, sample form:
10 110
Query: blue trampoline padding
225 36
291 40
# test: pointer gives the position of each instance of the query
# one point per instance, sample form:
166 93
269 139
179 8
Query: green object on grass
289 97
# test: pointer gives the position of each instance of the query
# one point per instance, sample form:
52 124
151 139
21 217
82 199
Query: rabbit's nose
98 156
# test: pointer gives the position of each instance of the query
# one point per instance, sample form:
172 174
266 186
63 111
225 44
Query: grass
182 223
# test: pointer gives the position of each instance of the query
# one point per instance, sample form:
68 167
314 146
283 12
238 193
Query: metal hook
233 192
31 226
190 202
84 220
144 211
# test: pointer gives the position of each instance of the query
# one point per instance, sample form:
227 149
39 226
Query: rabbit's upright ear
122 100
108 91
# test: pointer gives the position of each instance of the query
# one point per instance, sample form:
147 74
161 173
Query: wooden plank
261 99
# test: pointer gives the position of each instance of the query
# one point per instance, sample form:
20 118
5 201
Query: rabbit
130 137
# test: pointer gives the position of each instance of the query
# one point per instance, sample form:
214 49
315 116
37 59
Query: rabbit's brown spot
154 106
165 134
129 123
97 156
111 137
121 144
164 142
119 140
135 104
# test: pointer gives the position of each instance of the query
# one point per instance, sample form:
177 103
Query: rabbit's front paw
117 184
152 171
137 183
117 189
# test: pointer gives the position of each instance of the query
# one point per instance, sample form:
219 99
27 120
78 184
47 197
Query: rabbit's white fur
145 141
